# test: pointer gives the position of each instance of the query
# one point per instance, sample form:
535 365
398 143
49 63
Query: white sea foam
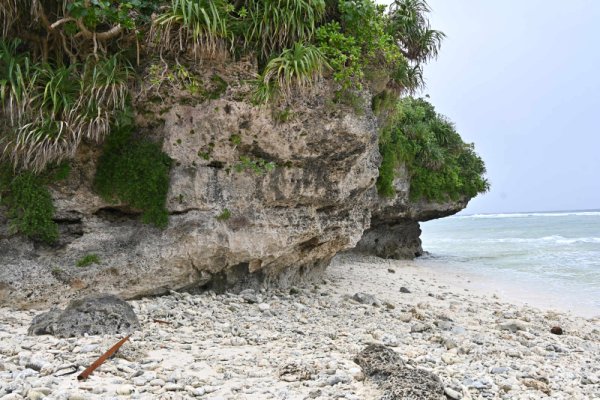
532 214
554 239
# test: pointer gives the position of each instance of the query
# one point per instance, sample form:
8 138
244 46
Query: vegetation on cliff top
441 166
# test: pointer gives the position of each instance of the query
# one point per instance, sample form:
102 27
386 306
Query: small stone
405 317
249 296
124 390
88 348
499 370
443 325
538 385
35 395
238 341
419 327
391 270
452 394
264 307
450 358
365 298
173 387
450 343
356 373
139 381
404 290
513 325
390 340
339 377
556 330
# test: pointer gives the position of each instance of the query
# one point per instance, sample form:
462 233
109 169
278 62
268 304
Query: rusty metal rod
88 371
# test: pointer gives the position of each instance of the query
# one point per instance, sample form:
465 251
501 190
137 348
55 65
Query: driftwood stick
88 371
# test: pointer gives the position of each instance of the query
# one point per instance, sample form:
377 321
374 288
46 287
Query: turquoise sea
554 255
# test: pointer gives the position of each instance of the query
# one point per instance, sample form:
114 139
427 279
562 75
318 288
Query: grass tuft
88 260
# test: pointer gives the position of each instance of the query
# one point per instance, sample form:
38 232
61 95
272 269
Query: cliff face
233 222
394 230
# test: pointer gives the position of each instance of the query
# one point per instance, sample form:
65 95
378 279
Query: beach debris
384 366
557 330
88 371
103 314
365 298
160 321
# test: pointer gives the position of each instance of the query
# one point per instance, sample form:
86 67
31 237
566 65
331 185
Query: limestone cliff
394 231
232 223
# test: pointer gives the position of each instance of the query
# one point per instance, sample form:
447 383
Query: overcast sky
521 79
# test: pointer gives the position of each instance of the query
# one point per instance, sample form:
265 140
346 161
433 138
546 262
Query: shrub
440 164
343 54
301 66
134 171
48 110
270 26
202 25
29 205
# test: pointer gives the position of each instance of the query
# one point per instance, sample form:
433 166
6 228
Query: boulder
95 315
397 381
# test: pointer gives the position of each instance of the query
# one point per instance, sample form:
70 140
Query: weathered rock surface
394 230
93 315
384 366
285 224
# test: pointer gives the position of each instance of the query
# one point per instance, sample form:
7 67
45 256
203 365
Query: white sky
521 79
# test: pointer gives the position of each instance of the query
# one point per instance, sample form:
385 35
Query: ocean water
549 258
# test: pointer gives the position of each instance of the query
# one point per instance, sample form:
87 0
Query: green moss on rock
134 171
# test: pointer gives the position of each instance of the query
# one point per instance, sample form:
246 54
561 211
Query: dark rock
404 290
394 230
386 368
557 330
391 270
376 357
365 298
94 315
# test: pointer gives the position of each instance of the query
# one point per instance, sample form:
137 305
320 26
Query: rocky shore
302 343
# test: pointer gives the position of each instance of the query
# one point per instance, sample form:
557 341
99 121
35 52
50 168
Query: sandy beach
300 344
